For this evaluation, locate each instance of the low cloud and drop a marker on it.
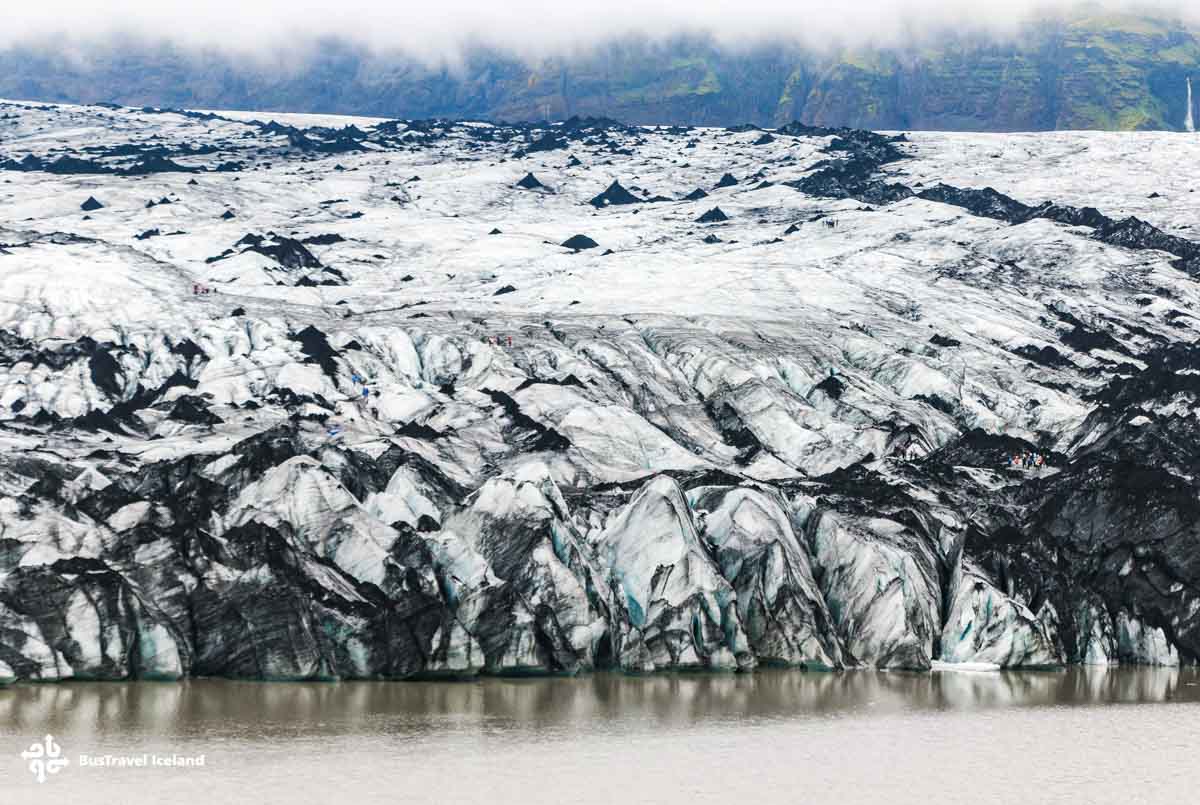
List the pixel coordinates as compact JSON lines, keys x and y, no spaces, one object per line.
{"x":440,"y":29}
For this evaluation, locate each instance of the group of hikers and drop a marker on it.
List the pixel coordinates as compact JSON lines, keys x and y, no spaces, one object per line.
{"x":1027,"y":460}
{"x":359,"y":380}
{"x":201,"y":290}
{"x":498,"y":340}
{"x":334,"y":430}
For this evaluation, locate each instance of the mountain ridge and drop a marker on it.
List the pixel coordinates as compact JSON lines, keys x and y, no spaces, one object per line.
{"x":1085,"y":70}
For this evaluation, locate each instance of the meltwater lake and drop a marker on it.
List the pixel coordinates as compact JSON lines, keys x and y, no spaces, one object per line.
{"x":1122,"y":735}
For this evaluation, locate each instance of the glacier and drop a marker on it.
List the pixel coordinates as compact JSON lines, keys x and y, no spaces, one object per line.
{"x":318,"y":397}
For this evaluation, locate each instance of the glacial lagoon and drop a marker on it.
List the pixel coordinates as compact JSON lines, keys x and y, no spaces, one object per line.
{"x":1127,"y":734}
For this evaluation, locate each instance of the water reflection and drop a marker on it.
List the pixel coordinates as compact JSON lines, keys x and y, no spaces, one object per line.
{"x":208,"y":709}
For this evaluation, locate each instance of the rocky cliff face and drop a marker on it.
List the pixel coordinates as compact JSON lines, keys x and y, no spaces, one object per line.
{"x":1082,"y":69}
{"x":295,"y":401}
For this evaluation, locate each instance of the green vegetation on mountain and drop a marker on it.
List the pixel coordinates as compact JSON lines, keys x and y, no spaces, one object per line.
{"x":1087,"y":70}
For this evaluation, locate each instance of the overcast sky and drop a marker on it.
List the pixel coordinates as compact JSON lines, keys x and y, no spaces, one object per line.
{"x":436,"y":28}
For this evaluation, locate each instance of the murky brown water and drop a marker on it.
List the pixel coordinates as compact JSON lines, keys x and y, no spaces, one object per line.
{"x":1094,"y":736}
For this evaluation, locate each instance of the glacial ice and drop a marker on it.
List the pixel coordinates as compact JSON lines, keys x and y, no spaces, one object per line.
{"x":791,"y":446}
{"x":778,"y":603}
{"x":686,"y":610}
{"x":985,"y":626}
{"x":881,"y":586}
{"x":1141,"y":644}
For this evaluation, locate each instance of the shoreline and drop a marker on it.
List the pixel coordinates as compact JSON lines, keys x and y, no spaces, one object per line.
{"x":939,"y":668}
